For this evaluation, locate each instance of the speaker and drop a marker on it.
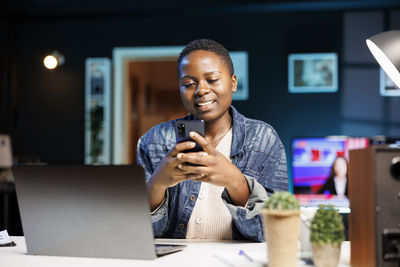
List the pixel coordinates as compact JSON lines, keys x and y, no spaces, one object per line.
{"x":374,"y":193}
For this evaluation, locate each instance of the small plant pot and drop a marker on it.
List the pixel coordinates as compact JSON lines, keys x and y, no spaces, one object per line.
{"x":326,"y":255}
{"x":281,"y":232}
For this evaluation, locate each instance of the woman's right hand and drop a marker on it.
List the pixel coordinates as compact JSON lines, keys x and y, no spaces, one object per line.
{"x":169,"y":174}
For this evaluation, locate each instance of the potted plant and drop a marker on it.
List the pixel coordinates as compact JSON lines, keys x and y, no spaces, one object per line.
{"x":281,"y":216}
{"x":96,"y":128}
{"x":327,"y":234}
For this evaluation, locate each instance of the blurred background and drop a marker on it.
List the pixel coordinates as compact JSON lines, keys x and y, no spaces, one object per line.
{"x":43,"y":111}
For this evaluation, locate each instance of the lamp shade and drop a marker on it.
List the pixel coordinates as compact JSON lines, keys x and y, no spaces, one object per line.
{"x":385,"y":47}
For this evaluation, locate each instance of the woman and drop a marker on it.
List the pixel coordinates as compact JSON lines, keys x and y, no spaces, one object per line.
{"x":216,"y":193}
{"x":336,"y":184}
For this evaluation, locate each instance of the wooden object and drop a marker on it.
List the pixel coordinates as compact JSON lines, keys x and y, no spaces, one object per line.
{"x":374,"y":202}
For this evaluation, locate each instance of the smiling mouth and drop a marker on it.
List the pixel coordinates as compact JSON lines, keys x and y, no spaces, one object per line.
{"x":202,"y":104}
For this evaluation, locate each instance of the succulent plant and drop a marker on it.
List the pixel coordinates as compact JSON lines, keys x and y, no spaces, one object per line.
{"x":96,"y":126}
{"x":327,"y":226}
{"x":282,"y":201}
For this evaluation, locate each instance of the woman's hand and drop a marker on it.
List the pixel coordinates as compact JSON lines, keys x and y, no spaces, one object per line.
{"x":168,"y":174}
{"x":213,"y":167}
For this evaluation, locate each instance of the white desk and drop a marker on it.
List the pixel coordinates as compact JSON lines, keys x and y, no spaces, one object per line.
{"x":197,"y":253}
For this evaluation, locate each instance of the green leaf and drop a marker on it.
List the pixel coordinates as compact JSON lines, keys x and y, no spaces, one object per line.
{"x":327,"y":226}
{"x":282,"y":201}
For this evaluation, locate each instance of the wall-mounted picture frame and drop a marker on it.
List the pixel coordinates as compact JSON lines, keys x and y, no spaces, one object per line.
{"x":386,"y":86}
{"x":240,"y":65}
{"x":313,"y":73}
{"x":97,"y":111}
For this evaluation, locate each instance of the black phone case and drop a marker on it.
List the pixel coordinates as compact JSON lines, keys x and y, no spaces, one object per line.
{"x":184,"y":127}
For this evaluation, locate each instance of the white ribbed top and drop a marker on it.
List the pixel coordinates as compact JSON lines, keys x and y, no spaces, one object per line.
{"x":340,"y":185}
{"x":210,"y":218}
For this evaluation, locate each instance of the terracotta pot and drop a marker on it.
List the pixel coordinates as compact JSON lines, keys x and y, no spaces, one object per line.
{"x":326,"y":255}
{"x":281,"y":232}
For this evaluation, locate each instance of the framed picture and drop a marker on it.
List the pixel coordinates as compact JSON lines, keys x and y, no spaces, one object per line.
{"x":240,"y":64}
{"x":97,"y":111}
{"x":386,"y":86}
{"x":313,"y":73}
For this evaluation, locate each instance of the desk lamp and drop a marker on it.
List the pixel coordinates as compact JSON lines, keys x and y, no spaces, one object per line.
{"x":385,"y":47}
{"x":374,"y":181}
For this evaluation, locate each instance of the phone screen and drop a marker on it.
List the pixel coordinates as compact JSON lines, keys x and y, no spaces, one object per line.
{"x":184,"y":127}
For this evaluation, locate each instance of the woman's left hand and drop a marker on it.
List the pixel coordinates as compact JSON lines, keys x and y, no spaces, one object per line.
{"x":215,"y":169}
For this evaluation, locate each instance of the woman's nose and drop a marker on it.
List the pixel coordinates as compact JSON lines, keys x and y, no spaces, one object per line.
{"x":202,"y":89}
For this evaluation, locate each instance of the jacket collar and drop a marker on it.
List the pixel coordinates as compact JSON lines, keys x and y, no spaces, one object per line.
{"x":238,"y":131}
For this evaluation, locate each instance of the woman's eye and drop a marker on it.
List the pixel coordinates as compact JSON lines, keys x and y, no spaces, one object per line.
{"x":188,"y":85}
{"x":213,"y":80}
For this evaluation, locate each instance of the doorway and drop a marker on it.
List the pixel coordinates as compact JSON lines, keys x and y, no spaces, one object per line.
{"x":145,"y":93}
{"x":154,"y":94}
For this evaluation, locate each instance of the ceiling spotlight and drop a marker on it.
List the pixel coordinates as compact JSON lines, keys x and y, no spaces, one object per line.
{"x":53,"y":60}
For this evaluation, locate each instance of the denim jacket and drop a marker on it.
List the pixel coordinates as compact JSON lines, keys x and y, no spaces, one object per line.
{"x":256,"y":151}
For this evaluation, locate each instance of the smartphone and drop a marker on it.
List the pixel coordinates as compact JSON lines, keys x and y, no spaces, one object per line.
{"x":184,"y":127}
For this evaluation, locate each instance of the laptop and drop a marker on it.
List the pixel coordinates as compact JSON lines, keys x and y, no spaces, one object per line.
{"x":87,"y":211}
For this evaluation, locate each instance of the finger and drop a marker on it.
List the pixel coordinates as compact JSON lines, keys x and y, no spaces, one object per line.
{"x":202,"y":141}
{"x":204,"y":178}
{"x":185,"y":168}
{"x":181,"y":147}
{"x":194,"y":176}
{"x":180,"y":167}
{"x":197,"y":158}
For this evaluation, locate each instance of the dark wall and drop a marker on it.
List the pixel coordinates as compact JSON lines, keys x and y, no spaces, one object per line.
{"x":292,"y":114}
{"x":49,"y":120}
{"x":2,"y":69}
{"x":51,"y":103}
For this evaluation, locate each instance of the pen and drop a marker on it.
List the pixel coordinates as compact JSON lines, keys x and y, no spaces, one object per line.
{"x":242,"y":253}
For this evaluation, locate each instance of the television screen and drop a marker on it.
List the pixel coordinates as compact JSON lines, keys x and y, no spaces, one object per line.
{"x":312,"y":158}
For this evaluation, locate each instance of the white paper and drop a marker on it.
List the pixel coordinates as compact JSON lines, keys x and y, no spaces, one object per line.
{"x":235,"y":259}
{"x":4,"y":238}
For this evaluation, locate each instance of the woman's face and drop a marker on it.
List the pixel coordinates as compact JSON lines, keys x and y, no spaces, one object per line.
{"x":340,"y":167}
{"x":205,"y":85}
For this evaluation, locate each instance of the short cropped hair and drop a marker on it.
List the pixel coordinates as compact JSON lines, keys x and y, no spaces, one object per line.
{"x":207,"y":45}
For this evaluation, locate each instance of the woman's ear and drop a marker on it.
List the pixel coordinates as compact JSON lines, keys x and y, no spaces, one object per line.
{"x":234,"y":83}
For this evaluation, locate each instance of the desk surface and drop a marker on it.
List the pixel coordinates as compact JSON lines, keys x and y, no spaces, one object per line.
{"x":197,"y":253}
